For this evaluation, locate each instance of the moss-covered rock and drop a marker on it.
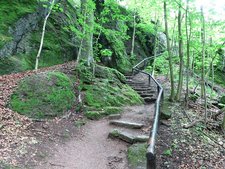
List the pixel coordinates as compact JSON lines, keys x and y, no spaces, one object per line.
{"x":107,"y":88}
{"x":103,"y":93}
{"x":137,"y":156}
{"x":43,"y":95}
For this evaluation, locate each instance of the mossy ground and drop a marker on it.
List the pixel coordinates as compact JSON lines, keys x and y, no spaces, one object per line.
{"x":137,"y":155}
{"x":43,"y":95}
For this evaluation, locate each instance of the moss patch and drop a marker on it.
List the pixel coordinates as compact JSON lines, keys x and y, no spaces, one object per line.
{"x":137,"y":155}
{"x":43,"y":95}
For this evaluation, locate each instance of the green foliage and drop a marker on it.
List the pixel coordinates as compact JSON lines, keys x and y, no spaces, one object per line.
{"x":106,"y":52}
{"x":137,"y":155}
{"x":43,"y":95}
{"x":11,"y":13}
{"x":167,"y":152}
{"x":160,"y":64}
{"x":112,"y":26}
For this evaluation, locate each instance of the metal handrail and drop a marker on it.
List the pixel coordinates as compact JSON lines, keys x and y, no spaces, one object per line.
{"x":151,"y":155}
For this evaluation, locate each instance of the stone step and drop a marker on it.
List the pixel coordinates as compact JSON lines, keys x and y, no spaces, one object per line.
{"x":146,"y":94}
{"x":149,"y":99}
{"x":128,"y":137}
{"x":114,"y":116}
{"x":142,"y":88}
{"x":135,"y":83}
{"x":139,"y":86}
{"x":129,"y":76}
{"x":126,"y":124}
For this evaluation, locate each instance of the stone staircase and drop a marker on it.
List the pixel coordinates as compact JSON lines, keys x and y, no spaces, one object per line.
{"x":133,"y":126}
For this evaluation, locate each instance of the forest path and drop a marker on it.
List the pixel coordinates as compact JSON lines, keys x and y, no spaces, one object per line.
{"x":92,"y":148}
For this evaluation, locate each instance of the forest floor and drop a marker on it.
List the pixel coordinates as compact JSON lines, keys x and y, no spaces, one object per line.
{"x":56,"y":143}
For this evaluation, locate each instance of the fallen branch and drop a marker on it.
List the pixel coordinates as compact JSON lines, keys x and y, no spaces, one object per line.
{"x":192,"y":124}
{"x":59,"y":165}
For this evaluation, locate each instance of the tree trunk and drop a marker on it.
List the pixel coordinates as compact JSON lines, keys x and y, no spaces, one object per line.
{"x":156,"y":43}
{"x":134,"y":32}
{"x":180,"y":83}
{"x":203,"y":54}
{"x":43,"y":34}
{"x":203,"y":87}
{"x":86,"y":44}
{"x":188,"y":36}
{"x":169,"y":53}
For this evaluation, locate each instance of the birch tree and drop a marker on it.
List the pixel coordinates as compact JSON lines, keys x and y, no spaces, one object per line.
{"x":43,"y":33}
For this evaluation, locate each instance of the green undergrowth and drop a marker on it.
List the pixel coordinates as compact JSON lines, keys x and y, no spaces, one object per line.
{"x":219,"y":78}
{"x":105,"y":91}
{"x":43,"y":95}
{"x":11,"y":11}
{"x":137,"y":155}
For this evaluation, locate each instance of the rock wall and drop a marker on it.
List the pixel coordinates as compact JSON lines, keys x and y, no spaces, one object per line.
{"x":21,"y":33}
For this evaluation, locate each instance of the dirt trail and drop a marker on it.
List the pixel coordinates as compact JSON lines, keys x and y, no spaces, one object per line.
{"x":90,"y":149}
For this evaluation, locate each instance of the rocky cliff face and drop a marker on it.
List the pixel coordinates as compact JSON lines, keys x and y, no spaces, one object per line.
{"x":21,"y":34}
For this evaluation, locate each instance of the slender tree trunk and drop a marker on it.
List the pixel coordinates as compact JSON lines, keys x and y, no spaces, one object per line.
{"x":43,"y":34}
{"x":181,"y":55}
{"x":188,"y":36}
{"x":169,"y":53}
{"x":203,"y":86}
{"x":155,"y":48}
{"x":134,"y":32}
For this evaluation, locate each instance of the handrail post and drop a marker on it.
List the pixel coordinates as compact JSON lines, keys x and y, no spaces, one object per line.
{"x":151,"y":161}
{"x":149,"y":81}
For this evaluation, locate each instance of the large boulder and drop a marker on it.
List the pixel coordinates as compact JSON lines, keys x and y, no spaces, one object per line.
{"x":43,"y":95}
